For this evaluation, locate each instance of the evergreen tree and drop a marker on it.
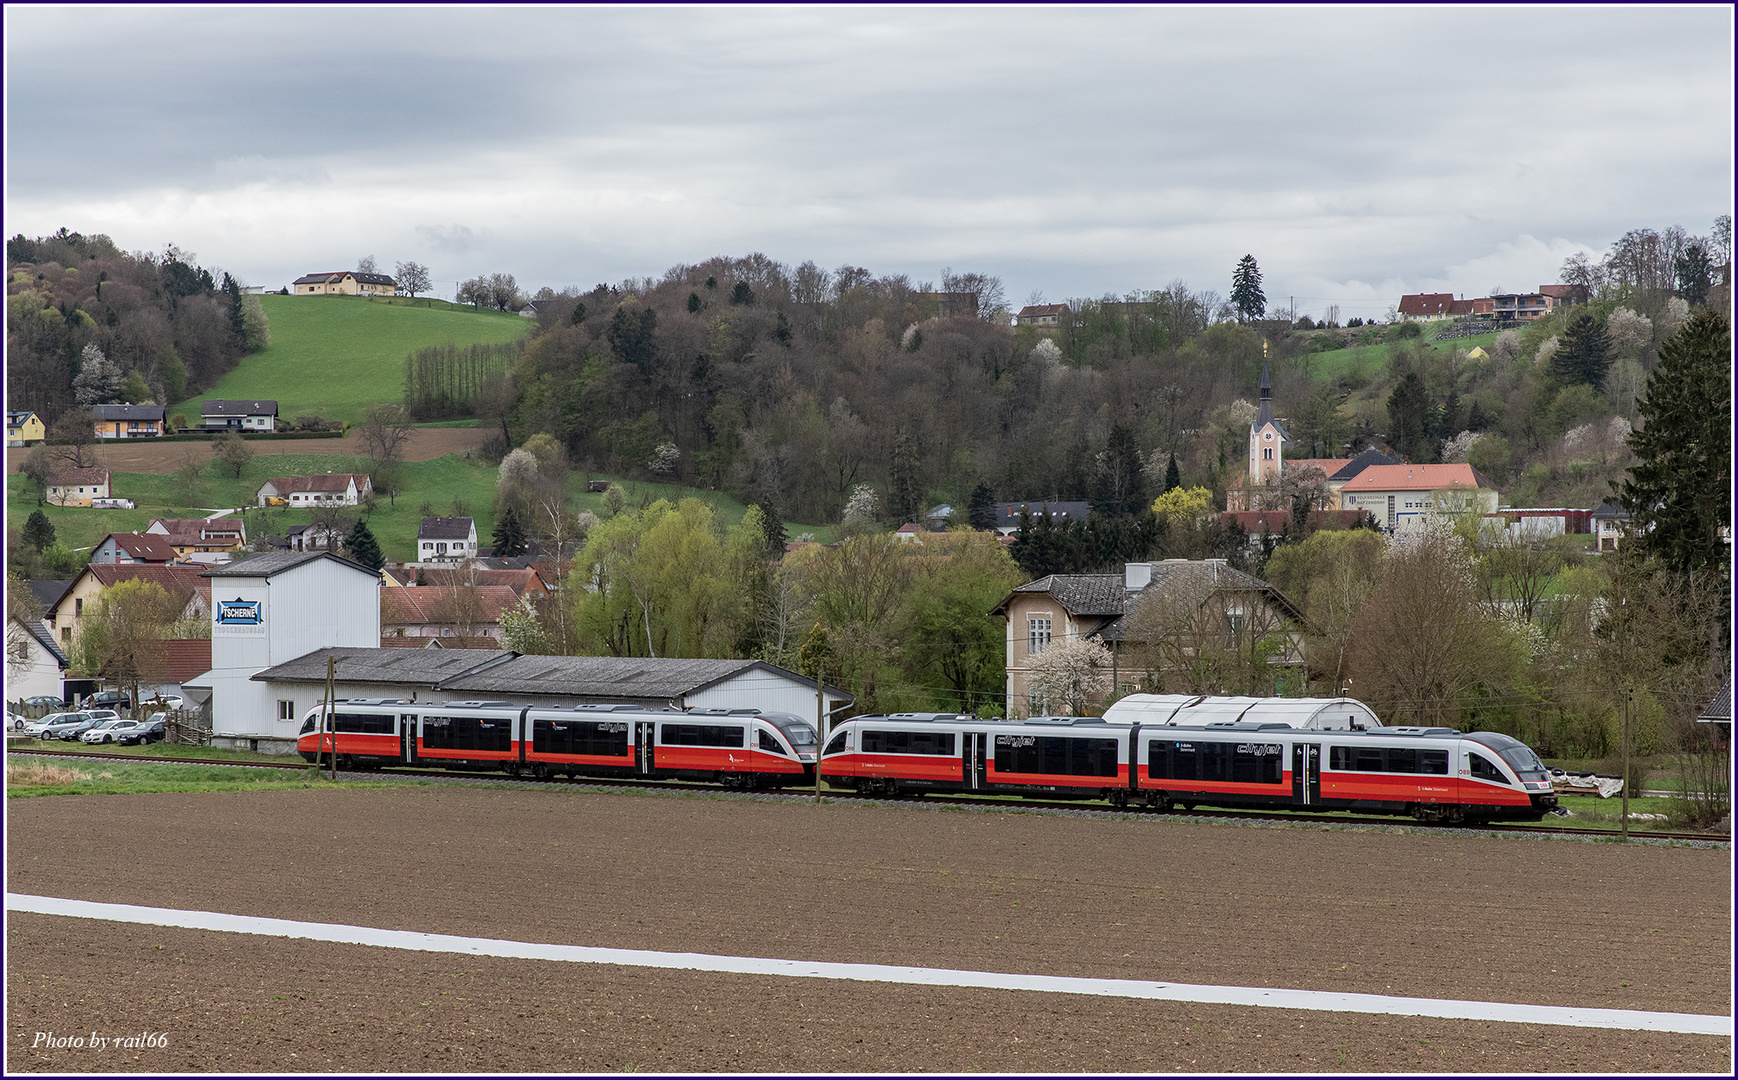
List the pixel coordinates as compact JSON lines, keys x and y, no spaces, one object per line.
{"x":1476,"y":419}
{"x":38,"y":530}
{"x":1584,"y":354}
{"x":232,"y":290}
{"x":1450,"y":425}
{"x":1173,"y":477}
{"x":1246,"y":294}
{"x":1122,"y":489}
{"x":1695,"y":273}
{"x":776,"y":534}
{"x":1408,"y":409}
{"x":1679,"y":494}
{"x":509,"y":535}
{"x":981,"y":514}
{"x":906,"y":494}
{"x":363,"y":548}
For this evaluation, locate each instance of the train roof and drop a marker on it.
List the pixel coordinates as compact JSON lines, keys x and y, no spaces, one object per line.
{"x":1180,"y":709}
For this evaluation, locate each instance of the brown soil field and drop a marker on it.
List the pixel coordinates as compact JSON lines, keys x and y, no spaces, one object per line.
{"x":141,"y":455}
{"x":1426,"y":915}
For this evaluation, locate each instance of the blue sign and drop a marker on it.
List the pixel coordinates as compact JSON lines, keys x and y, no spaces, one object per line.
{"x":239,"y":612}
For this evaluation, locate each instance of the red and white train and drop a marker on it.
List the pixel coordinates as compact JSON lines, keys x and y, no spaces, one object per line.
{"x":1434,"y":774}
{"x":735,"y":747}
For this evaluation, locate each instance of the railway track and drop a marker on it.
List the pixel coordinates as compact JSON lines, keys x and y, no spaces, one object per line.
{"x":1082,"y":806}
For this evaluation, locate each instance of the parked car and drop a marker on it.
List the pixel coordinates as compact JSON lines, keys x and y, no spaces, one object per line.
{"x":108,"y":731}
{"x":70,"y":726}
{"x":148,"y":732}
{"x":103,"y":714}
{"x":109,"y":699}
{"x":42,"y":705}
{"x":37,"y":727}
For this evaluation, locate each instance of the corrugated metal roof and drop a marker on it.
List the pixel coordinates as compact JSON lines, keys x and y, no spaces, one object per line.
{"x":265,"y":564}
{"x":414,"y":666}
{"x":1721,"y":707}
{"x":597,"y":676}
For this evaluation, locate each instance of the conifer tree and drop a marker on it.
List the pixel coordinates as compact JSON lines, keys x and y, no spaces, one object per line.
{"x":509,"y":535}
{"x":1173,"y":477}
{"x":981,"y":513}
{"x":774,"y":528}
{"x":1584,"y":354}
{"x":38,"y":530}
{"x":363,"y":548}
{"x":1679,"y":494}
{"x":1246,"y":294}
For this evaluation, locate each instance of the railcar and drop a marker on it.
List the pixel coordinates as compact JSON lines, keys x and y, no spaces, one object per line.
{"x":1434,"y":774}
{"x":738,"y":747}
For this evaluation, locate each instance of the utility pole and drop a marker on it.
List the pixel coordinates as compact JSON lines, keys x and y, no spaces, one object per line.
{"x":1628,"y":695}
{"x":820,"y":728}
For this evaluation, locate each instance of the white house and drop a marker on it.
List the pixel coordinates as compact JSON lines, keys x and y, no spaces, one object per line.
{"x":446,"y":540}
{"x":35,"y":664}
{"x":327,"y":489}
{"x":70,"y":486}
{"x":1400,"y":496}
{"x":269,"y":608}
{"x":239,"y":415}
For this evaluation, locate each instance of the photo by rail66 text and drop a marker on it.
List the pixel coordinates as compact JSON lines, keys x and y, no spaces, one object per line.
{"x":96,"y":1040}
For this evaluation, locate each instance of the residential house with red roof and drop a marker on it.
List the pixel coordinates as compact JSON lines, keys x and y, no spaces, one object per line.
{"x":132,"y":548}
{"x":181,"y":581}
{"x":455,"y":610}
{"x":204,"y":540}
{"x":1400,"y":496}
{"x":69,"y":486}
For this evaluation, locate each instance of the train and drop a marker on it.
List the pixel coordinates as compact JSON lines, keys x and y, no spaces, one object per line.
{"x":741,"y":748}
{"x":1434,"y":774}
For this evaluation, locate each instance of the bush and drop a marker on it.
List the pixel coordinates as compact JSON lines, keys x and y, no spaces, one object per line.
{"x":495,"y":448}
{"x":1408,"y":330}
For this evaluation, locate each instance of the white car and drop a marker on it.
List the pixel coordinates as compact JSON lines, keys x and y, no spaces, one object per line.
{"x":108,"y":731}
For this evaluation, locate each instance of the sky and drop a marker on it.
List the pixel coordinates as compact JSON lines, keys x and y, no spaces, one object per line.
{"x":1358,"y":153}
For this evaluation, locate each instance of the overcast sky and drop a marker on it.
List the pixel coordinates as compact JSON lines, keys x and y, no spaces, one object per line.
{"x":1357,"y":153}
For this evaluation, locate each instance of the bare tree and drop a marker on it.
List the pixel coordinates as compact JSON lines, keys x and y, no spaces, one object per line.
{"x":385,"y":431}
{"x":189,"y":476}
{"x":412,"y":278}
{"x":366,"y":265}
{"x":39,"y":466}
{"x":75,"y":438}
{"x":231,"y":449}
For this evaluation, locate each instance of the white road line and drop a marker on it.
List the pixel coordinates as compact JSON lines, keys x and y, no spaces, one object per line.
{"x":1318,"y":1000}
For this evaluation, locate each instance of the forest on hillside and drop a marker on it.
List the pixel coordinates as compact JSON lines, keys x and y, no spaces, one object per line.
{"x":797,"y":385}
{"x":140,"y":327}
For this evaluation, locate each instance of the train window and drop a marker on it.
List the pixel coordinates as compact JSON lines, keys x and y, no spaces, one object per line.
{"x":362,"y":723}
{"x":1402,"y":759}
{"x":907,"y":742}
{"x":703,"y":735}
{"x":1367,"y":759}
{"x":1340,"y":758}
{"x":1056,"y":755}
{"x":467,"y":733}
{"x":1256,"y":763}
{"x":767,"y":742}
{"x":307,"y":725}
{"x":1211,"y":761}
{"x":1525,"y":763}
{"x":837,"y":744}
{"x":1433,"y":762}
{"x":1171,"y":760}
{"x":1484,"y":768}
{"x":597,"y":738}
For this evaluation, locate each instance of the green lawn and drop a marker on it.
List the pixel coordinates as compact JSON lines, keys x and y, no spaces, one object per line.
{"x":333,"y":356}
{"x":438,"y":482}
{"x":30,"y":778}
{"x":1364,"y":361}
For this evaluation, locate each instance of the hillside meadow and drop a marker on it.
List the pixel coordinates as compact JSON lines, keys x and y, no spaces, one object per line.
{"x":333,"y":356}
{"x":439,"y":482}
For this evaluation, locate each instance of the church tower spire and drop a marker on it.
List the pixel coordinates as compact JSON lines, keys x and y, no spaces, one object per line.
{"x":1266,"y":440}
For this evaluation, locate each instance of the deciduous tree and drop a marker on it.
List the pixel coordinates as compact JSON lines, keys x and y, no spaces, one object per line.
{"x":233,"y":451}
{"x":412,"y":278}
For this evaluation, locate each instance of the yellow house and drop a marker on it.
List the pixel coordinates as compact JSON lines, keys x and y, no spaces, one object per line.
{"x":343,"y":283}
{"x":24,"y":428}
{"x":78,"y":487}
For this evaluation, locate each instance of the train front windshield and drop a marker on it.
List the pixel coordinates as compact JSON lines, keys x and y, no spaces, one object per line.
{"x":1525,"y":763}
{"x":802,"y":736}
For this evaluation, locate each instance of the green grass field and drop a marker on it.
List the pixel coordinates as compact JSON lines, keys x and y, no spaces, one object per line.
{"x":333,"y":356}
{"x":438,"y":482}
{"x":34,"y":777}
{"x":1364,"y":361}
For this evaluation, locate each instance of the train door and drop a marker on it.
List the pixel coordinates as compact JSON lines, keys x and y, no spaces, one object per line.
{"x":972,"y":753}
{"x":1306,"y":775}
{"x":645,"y":733}
{"x":407,"y":737}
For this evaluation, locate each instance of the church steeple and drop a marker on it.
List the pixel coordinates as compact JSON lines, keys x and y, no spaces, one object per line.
{"x":1265,"y":415}
{"x":1267,"y":439}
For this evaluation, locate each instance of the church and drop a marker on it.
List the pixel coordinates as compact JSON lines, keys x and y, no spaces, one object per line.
{"x":1272,"y":480}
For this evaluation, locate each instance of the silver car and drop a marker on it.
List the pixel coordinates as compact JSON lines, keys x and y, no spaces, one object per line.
{"x":68,"y":726}
{"x":108,"y":731}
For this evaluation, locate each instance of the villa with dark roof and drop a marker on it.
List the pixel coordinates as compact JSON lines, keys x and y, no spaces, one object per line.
{"x":343,"y":283}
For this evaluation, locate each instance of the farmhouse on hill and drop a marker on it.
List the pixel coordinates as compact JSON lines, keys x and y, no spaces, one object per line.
{"x":446,"y":540}
{"x":129,"y":421}
{"x":327,"y":489}
{"x":343,"y":283}
{"x":238,"y":415}
{"x":70,"y":486}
